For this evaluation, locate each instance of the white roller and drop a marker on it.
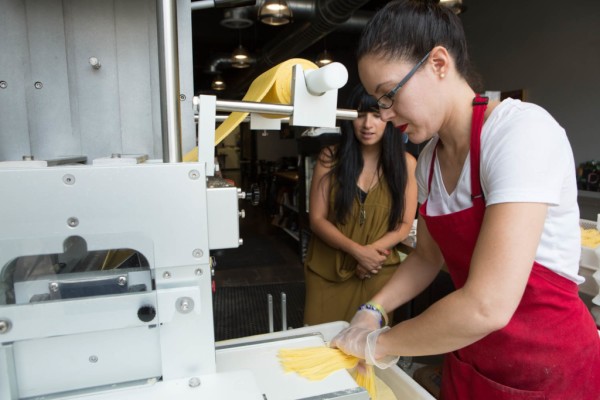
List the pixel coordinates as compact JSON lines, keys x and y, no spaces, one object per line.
{"x":330,"y":77}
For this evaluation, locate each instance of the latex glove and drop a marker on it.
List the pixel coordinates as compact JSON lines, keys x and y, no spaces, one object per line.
{"x":361,"y":343}
{"x":352,"y":341}
{"x":371,"y":354}
{"x":367,"y":319}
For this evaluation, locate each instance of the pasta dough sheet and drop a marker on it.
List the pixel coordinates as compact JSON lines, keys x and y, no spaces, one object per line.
{"x":590,"y":238}
{"x":316,"y":363}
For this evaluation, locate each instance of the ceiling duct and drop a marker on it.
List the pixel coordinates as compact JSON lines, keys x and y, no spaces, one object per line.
{"x":327,"y":16}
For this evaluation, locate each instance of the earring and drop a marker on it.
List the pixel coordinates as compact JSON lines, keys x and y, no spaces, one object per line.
{"x":442,"y":75}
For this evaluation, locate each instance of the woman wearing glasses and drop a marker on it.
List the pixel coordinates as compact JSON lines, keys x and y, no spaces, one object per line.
{"x":363,"y":201}
{"x":498,"y":206}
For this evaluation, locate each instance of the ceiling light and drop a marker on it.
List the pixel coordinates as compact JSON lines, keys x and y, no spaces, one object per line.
{"x":218,"y":83}
{"x":275,"y":12}
{"x":455,"y":5}
{"x":240,"y":54}
{"x":324,"y":58}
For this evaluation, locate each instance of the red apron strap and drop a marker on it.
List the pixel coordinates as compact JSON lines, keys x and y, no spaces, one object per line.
{"x":479,"y":107}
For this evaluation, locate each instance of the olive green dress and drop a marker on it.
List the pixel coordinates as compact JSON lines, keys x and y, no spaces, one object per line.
{"x":333,"y":291}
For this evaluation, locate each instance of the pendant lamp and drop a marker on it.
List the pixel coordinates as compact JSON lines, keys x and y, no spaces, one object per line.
{"x":275,"y":12}
{"x":218,"y":83}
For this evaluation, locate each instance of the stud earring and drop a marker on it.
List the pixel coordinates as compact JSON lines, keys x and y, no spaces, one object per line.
{"x":442,"y":75}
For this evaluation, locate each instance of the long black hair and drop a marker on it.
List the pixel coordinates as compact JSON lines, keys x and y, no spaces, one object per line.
{"x":408,"y":29}
{"x":347,"y":163}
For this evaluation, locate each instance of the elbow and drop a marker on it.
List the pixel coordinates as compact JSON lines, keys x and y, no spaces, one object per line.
{"x":492,"y":315}
{"x":493,"y":318}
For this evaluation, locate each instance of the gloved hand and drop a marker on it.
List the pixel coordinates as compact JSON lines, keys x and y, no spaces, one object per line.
{"x":368,"y":319}
{"x":361,"y":343}
{"x":370,"y":353}
{"x":352,"y":340}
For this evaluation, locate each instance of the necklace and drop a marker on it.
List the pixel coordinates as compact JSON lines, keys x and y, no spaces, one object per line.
{"x":362,"y":215}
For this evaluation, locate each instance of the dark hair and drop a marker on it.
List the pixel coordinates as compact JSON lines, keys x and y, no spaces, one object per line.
{"x":408,"y":29}
{"x":347,"y":163}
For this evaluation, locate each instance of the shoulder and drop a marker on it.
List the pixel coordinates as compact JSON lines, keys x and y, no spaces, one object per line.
{"x":519,"y":121}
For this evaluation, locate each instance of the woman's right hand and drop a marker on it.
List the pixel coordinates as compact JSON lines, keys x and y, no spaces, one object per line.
{"x":369,"y":260}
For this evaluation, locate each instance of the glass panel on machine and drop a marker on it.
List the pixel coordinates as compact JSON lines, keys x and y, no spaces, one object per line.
{"x":75,"y":273}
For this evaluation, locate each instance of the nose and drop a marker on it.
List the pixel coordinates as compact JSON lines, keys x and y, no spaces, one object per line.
{"x":368,"y":119}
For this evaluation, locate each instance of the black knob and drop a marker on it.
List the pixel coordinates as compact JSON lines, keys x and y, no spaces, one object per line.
{"x":146,"y":313}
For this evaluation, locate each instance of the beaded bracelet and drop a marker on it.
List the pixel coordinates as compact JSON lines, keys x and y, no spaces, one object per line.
{"x":378,"y":308}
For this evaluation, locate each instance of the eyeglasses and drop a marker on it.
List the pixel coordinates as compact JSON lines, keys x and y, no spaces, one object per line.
{"x":387,"y":100}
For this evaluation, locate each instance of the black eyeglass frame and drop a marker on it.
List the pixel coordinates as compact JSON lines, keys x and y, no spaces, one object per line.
{"x":392,"y":93}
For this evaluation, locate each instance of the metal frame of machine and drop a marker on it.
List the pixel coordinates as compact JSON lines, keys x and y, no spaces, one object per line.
{"x":143,"y":331}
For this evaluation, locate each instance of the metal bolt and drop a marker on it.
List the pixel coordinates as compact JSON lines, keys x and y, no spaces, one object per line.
{"x":182,"y":97}
{"x":4,"y":326}
{"x":198,"y":272}
{"x":242,"y":213}
{"x":166,"y":275}
{"x":185,"y":305}
{"x":3,"y":85}
{"x":38,"y":85}
{"x":93,"y":359}
{"x":95,"y":63}
{"x":197,"y":253}
{"x":69,"y":179}
{"x":53,"y":287}
{"x":73,"y":222}
{"x":194,"y":174}
{"x":122,"y":280}
{"x":194,"y":382}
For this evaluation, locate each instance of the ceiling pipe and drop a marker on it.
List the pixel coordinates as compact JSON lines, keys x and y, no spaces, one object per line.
{"x":328,"y":16}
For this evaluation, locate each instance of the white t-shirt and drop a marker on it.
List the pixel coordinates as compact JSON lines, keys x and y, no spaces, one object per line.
{"x":525,"y":157}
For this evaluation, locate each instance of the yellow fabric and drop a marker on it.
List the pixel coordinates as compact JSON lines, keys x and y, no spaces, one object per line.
{"x":316,"y":363}
{"x":333,"y":291}
{"x":273,"y":86}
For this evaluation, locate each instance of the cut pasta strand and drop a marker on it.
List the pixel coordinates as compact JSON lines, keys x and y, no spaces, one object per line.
{"x":316,"y":363}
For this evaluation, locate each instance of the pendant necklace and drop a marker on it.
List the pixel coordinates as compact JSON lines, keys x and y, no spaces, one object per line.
{"x":362,"y":215}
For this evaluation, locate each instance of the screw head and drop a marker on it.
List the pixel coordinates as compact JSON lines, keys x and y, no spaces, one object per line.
{"x":73,"y":222}
{"x":4,"y":326}
{"x":197,"y":253}
{"x":93,"y":359}
{"x":166,"y":275}
{"x":3,"y":84}
{"x":122,"y":280}
{"x":53,"y":287}
{"x":38,"y":85}
{"x":185,"y":305}
{"x":194,"y":174}
{"x":69,"y":179}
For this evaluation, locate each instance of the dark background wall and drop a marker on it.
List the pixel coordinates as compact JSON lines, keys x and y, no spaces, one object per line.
{"x":551,"y":50}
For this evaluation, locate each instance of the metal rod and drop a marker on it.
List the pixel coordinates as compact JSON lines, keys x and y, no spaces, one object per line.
{"x":268,"y":108}
{"x":201,"y":5}
{"x":283,"y":312}
{"x":270,"y":310}
{"x":168,"y":53}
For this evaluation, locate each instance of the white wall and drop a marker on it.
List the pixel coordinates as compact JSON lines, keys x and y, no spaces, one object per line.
{"x":549,"y":48}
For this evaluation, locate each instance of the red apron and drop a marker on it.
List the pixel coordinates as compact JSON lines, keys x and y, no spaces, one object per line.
{"x":550,"y":349}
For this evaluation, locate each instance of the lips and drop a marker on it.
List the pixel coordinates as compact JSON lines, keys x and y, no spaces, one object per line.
{"x":402,"y":128}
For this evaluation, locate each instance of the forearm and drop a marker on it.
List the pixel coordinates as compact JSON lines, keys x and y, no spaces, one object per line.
{"x":439,"y":329}
{"x":410,"y":279}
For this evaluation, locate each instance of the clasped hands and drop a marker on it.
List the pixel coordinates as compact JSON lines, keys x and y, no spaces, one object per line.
{"x":360,"y":339}
{"x":369,"y":260}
